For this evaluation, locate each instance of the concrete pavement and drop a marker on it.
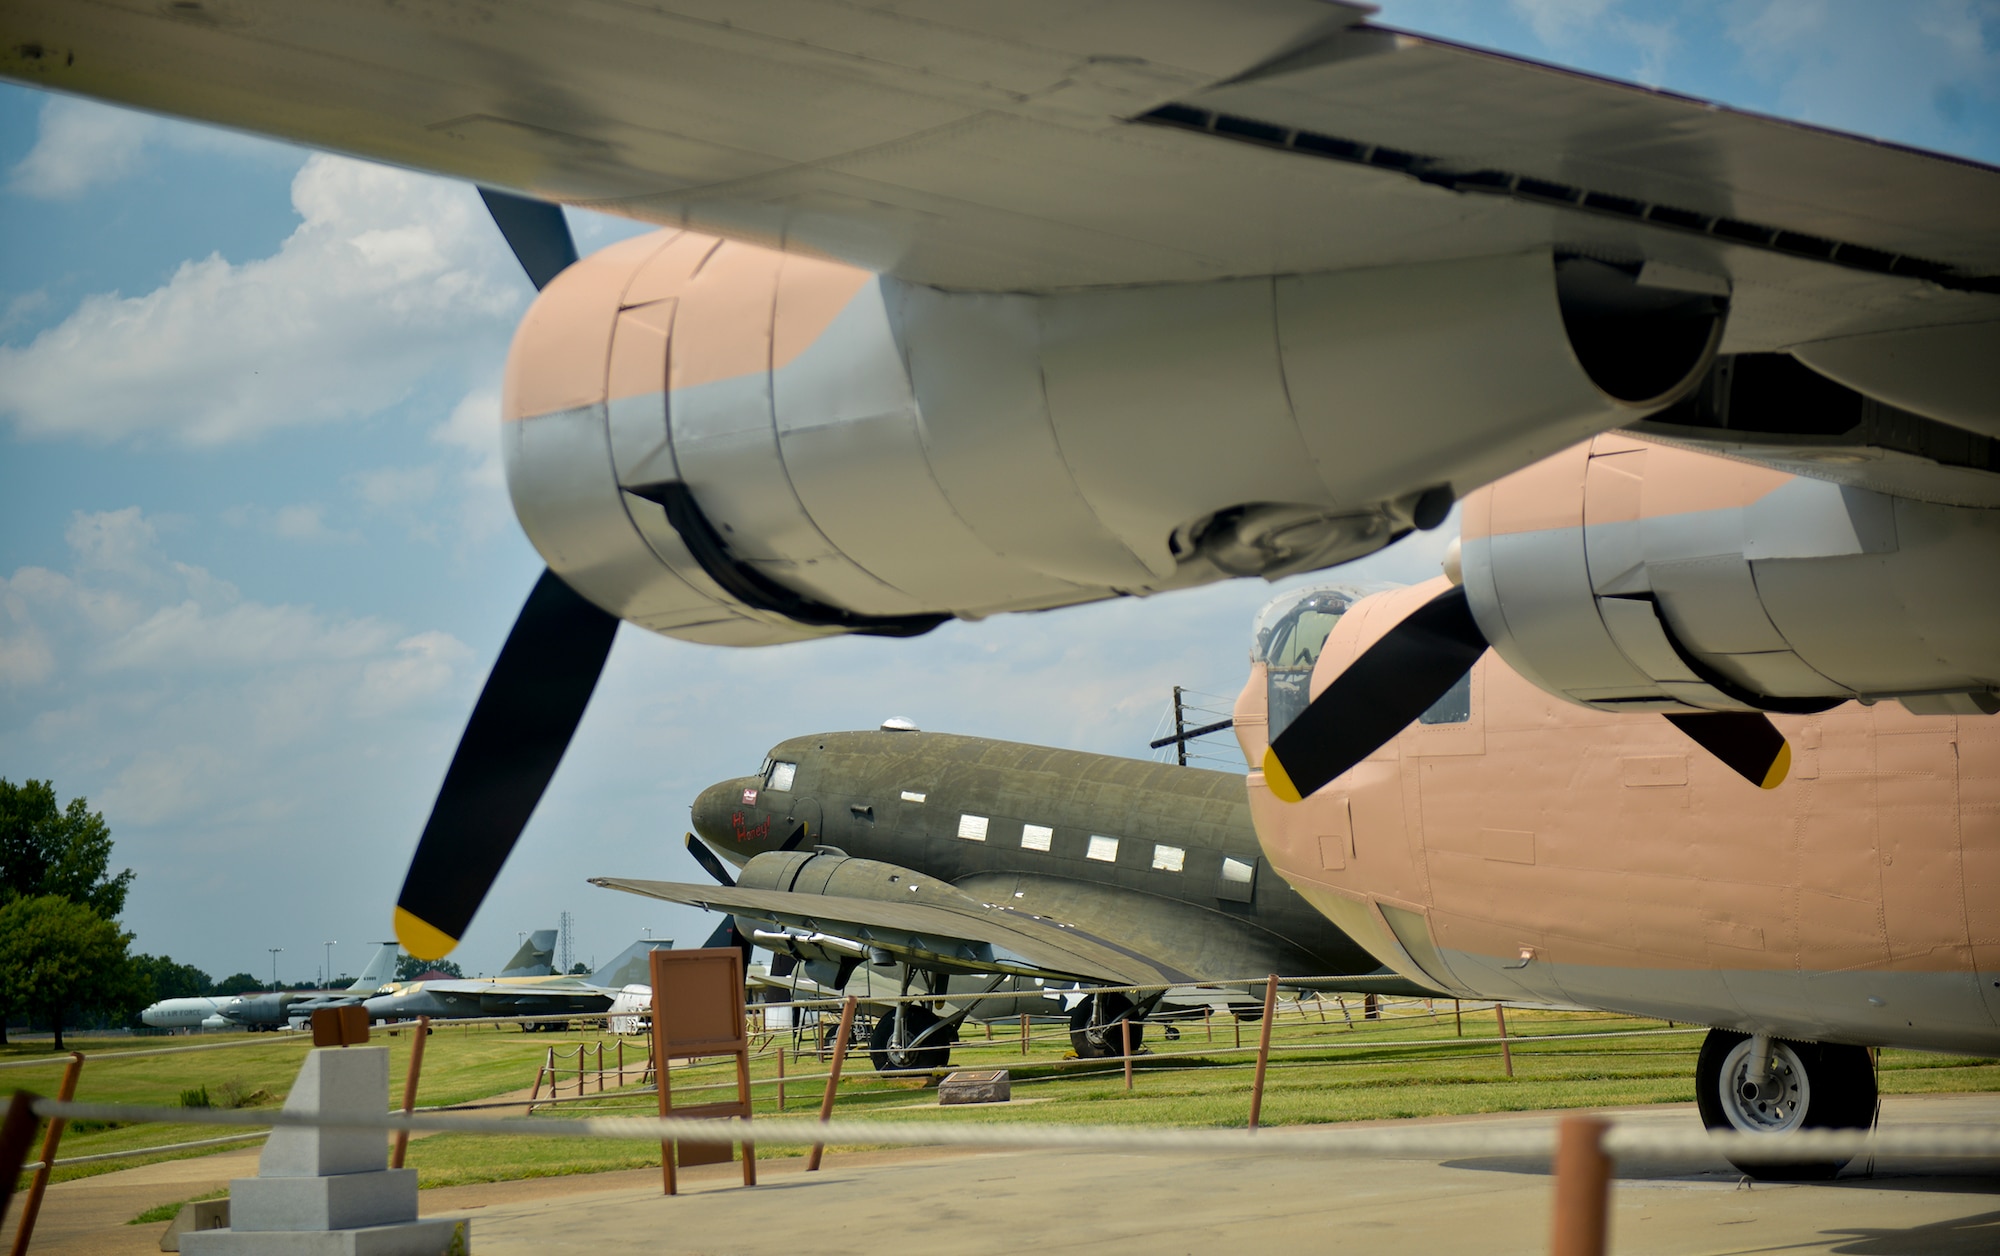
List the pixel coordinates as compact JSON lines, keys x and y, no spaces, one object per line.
{"x":957,"y":1203}
{"x":1007,"y":1203}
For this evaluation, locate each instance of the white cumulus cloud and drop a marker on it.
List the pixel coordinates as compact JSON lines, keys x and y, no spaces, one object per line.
{"x":176,"y":692}
{"x":81,"y":145}
{"x":388,"y":275}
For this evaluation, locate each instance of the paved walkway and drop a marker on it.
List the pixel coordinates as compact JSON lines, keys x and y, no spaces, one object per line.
{"x":942,"y":1203}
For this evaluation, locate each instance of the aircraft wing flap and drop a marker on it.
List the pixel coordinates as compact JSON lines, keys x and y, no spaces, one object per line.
{"x":993,"y":940}
{"x":1470,"y":110}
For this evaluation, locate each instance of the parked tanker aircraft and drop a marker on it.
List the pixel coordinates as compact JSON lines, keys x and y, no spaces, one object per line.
{"x":971,"y":308}
{"x":1537,"y":834}
{"x":929,"y":857}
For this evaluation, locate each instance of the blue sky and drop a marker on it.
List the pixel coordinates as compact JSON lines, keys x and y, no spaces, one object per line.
{"x":256,"y":557}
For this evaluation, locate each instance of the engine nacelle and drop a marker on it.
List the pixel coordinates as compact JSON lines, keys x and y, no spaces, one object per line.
{"x":730,"y":444}
{"x":826,"y":871}
{"x":1628,"y":575}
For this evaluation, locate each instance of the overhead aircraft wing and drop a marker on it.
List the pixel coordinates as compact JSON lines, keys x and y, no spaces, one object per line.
{"x":990,"y":939}
{"x":1046,"y":144}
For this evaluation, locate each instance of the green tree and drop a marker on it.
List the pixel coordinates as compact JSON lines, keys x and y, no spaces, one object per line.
{"x":46,"y":849}
{"x":238,"y":983}
{"x":408,"y":967}
{"x":164,"y":979}
{"x":60,"y":958}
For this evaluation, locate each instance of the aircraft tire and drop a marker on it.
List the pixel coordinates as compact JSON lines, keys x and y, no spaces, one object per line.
{"x":890,"y":1059}
{"x":1824,"y":1086}
{"x":1102,"y":1041}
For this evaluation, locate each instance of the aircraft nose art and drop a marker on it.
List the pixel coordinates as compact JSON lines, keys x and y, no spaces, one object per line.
{"x":715,"y":814}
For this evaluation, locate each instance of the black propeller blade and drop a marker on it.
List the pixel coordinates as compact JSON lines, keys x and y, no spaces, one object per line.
{"x":1413,"y":664}
{"x":795,"y":837}
{"x":517,"y":734}
{"x":536,"y":231}
{"x":1747,"y":741}
{"x":709,"y":861}
{"x":1391,"y":683}
{"x":726,"y":933}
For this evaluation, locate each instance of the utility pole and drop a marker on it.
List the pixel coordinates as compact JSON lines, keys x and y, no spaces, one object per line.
{"x":1183,"y":734}
{"x":275,"y":952}
{"x":327,"y":980}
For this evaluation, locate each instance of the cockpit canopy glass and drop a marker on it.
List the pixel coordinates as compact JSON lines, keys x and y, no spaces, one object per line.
{"x":1291,"y":631}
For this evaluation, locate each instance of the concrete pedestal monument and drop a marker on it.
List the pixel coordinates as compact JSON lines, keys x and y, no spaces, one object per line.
{"x":331,"y":1192}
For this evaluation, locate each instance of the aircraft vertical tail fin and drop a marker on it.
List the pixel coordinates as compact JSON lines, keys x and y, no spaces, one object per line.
{"x":380,"y":971}
{"x":631,"y":966}
{"x":536,"y":958}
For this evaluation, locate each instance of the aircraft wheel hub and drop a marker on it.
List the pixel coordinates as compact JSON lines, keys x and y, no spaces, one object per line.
{"x":1772,"y":1104}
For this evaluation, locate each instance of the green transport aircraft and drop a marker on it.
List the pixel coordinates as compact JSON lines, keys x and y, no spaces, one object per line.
{"x":1008,"y":867}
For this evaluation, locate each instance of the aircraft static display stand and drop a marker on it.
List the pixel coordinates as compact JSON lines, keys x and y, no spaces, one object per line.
{"x":331,"y":1192}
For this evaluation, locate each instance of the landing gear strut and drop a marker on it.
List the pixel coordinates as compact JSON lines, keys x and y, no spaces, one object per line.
{"x":1762,"y":1085}
{"x":1093,"y":1026}
{"x":910,"y":1037}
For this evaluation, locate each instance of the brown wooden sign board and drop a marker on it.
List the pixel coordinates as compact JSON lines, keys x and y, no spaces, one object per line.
{"x":340,"y":1026}
{"x":698,"y":1013}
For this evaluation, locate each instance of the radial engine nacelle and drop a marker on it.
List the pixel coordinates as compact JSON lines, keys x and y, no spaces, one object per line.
{"x":729,"y":444}
{"x":1625,"y":574}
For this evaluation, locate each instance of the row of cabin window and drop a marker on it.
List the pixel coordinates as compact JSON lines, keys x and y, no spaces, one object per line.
{"x":1040,"y":837}
{"x":1103,"y":849}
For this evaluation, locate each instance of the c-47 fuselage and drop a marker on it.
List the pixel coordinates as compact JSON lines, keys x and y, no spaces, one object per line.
{"x":1155,"y":857}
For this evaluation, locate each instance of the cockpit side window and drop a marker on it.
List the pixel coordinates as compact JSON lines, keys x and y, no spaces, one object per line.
{"x":1455,"y":707}
{"x":782,"y":775}
{"x":1291,"y":632}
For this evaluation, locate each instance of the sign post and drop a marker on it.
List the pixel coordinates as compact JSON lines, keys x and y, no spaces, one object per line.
{"x":698,"y":1013}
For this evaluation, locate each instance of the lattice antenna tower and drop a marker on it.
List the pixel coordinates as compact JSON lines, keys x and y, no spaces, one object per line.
{"x":563,"y":957}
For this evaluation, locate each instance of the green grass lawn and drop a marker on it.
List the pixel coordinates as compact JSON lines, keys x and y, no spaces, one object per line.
{"x":1411,"y":1063}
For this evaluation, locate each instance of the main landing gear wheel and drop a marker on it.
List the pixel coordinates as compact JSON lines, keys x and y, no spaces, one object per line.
{"x":1093,"y":1027}
{"x":891,"y":1052}
{"x":1811,"y":1085}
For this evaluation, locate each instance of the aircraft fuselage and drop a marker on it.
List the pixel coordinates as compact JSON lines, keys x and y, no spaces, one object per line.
{"x":1538,"y":850}
{"x":1155,"y":857}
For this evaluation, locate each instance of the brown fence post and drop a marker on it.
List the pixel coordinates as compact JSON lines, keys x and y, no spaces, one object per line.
{"x":781,"y":1077}
{"x":1125,"y":1040}
{"x":410,"y":1087}
{"x":1583,"y":1187}
{"x":1024,"y":1033}
{"x":833,"y":1078}
{"x":1506,"y":1051}
{"x":16,"y":1133}
{"x":1263,"y":1050}
{"x":31,"y":1207}
{"x":1208,"y":1020}
{"x":1457,"y":1024}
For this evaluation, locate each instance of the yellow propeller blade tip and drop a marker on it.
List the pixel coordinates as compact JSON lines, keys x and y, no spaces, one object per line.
{"x":1780,"y":766}
{"x":422,"y":939}
{"x":1275,"y":777}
